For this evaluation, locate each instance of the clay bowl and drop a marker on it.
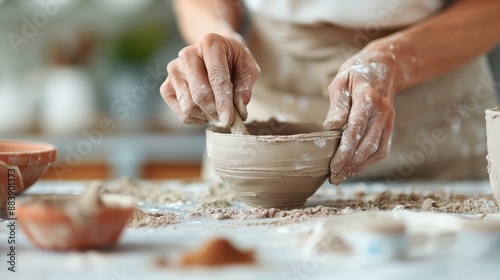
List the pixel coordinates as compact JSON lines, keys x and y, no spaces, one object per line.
{"x":493,"y":141}
{"x":30,"y":159}
{"x":48,"y":225}
{"x":279,"y":165}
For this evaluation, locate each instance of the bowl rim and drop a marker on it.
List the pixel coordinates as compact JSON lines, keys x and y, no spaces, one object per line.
{"x":43,"y":147}
{"x":110,"y":200}
{"x":317,"y":135}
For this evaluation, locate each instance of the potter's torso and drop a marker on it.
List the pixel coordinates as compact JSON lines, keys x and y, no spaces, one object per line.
{"x":300,"y":57}
{"x":349,"y":14}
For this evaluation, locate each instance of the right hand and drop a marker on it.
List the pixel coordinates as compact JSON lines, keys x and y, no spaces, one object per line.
{"x":210,"y":79}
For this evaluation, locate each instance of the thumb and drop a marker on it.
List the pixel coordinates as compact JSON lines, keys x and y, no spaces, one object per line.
{"x":245,"y":75}
{"x":340,"y":106}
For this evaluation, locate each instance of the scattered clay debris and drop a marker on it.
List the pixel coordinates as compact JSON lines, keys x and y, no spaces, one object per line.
{"x":220,"y":204}
{"x":428,"y":204}
{"x":145,"y":192}
{"x":480,"y":216}
{"x":216,"y":202}
{"x":217,"y":252}
{"x":140,"y":219}
{"x":445,"y":203}
{"x":216,"y":192}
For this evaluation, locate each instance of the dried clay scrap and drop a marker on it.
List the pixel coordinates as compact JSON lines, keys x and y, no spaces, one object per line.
{"x":217,"y":202}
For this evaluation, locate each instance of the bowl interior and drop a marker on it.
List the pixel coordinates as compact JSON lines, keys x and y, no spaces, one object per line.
{"x":23,"y":147}
{"x":275,"y":129}
{"x":31,"y":159}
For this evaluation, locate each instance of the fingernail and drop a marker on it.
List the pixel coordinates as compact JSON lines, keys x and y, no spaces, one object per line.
{"x":224,"y":120}
{"x":212,"y":112}
{"x":336,"y":181}
{"x":214,"y":116}
{"x":339,"y":179}
{"x":241,"y":109}
{"x":341,"y":176}
{"x":327,"y":125}
{"x":335,"y":177}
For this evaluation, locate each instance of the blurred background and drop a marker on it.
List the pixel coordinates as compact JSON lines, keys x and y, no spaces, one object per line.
{"x":85,"y":74}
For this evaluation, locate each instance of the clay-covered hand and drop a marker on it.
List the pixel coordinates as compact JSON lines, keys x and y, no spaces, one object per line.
{"x":362,"y":104}
{"x":209,"y":77}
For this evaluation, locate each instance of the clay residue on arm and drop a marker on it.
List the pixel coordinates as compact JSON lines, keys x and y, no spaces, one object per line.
{"x":444,"y":42}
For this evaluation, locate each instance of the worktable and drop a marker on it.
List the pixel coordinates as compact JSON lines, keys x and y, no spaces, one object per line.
{"x":278,"y":253}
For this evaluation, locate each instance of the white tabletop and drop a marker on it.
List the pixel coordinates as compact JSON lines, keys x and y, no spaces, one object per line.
{"x":278,"y":253}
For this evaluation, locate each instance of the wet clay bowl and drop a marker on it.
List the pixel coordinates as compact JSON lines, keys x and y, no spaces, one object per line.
{"x":493,"y":141}
{"x":279,"y":165}
{"x":30,"y":160}
{"x":49,"y":226}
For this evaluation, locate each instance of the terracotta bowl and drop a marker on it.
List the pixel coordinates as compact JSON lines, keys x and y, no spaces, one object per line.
{"x":30,"y":159}
{"x":50,"y":227}
{"x":278,"y":165}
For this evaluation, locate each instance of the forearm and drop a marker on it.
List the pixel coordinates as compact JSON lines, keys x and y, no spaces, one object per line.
{"x":199,"y":17}
{"x":443,"y":43}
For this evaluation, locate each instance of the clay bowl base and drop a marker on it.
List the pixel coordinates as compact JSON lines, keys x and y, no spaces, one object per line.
{"x":279,"y":165}
{"x":49,"y":227}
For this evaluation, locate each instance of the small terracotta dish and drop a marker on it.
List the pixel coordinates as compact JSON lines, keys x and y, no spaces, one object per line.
{"x":30,"y":159}
{"x":278,"y":165}
{"x":49,"y":225}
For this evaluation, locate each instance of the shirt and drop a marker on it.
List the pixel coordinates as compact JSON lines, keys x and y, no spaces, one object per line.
{"x":366,"y":14}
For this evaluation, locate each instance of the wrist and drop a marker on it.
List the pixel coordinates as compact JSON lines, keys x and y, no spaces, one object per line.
{"x":394,"y":53}
{"x":225,"y":30}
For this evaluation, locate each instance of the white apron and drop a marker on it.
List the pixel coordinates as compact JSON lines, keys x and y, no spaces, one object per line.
{"x":439,"y":130}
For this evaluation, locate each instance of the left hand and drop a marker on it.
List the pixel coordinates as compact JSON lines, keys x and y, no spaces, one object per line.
{"x":362,"y":103}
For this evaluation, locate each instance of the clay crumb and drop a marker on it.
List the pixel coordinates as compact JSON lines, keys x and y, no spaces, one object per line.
{"x":141,"y":219}
{"x":435,"y":202}
{"x":217,"y":252}
{"x":428,"y":204}
{"x":215,"y":192}
{"x":144,"y":191}
{"x":159,"y":262}
{"x":221,"y":204}
{"x":480,"y":216}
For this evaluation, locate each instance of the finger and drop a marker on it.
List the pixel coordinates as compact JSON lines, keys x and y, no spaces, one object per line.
{"x":370,"y":141}
{"x":382,"y":152}
{"x":340,"y":104}
{"x":197,"y":80}
{"x":368,"y":146}
{"x":168,"y":93}
{"x":354,"y":132}
{"x":215,"y":54}
{"x":353,"y":168}
{"x":186,"y":103}
{"x":245,"y":75}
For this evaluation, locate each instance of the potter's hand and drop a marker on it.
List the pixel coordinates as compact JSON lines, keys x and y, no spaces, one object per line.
{"x":361,"y":103}
{"x":208,"y":78}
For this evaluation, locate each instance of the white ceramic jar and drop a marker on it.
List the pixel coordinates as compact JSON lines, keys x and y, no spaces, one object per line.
{"x":17,"y":106}
{"x":493,"y":141}
{"x":68,"y":101}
